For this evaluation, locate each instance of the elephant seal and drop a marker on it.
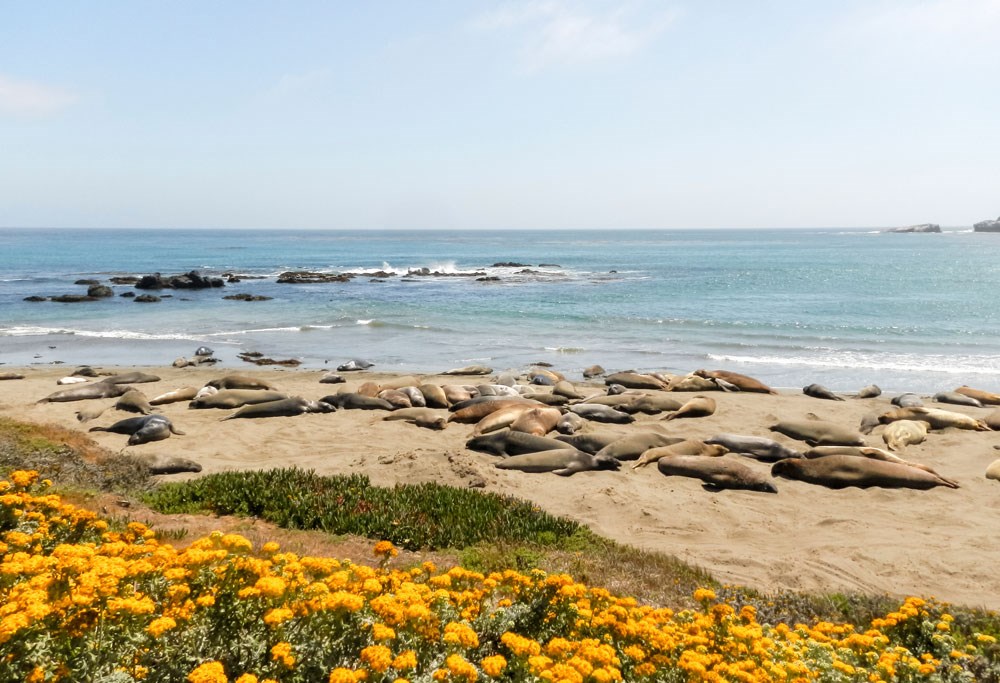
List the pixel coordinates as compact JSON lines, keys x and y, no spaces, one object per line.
{"x":741,"y":382}
{"x":134,"y":401}
{"x":456,"y":394}
{"x":562,"y":461}
{"x":284,"y":407}
{"x":354,"y":365}
{"x":593,"y":371}
{"x":985,"y":397}
{"x":542,"y":381}
{"x":240,"y":382}
{"x":477,"y":411}
{"x":206,"y":391}
{"x":717,"y":473}
{"x":993,"y":420}
{"x":202,"y":351}
{"x":956,"y":398}
{"x":236,"y":398}
{"x":615,"y":389}
{"x":552,"y":376}
{"x":564,"y":388}
{"x":869,"y":422}
{"x":936,"y":418}
{"x":757,"y":447}
{"x":427,"y":418}
{"x":819,"y":391}
{"x":816,"y":432}
{"x":683,"y":447}
{"x":142,"y":429}
{"x":635,"y":380}
{"x":469,"y":370}
{"x":331,"y":378}
{"x":400,"y":382}
{"x":614,"y":400}
{"x":162,"y":464}
{"x":591,"y":442}
{"x":634,"y":445}
{"x":367,"y":389}
{"x":901,"y":433}
{"x":599,"y":413}
{"x":175,"y":396}
{"x":548,"y":399}
{"x":82,"y":392}
{"x":907,"y":400}
{"x":842,"y":471}
{"x":872,"y":453}
{"x":396,"y":397}
{"x":496,"y":390}
{"x":537,"y":421}
{"x":699,"y":406}
{"x":570,"y":423}
{"x":650,"y":404}
{"x":63,"y":381}
{"x":500,"y":419}
{"x":131,"y":378}
{"x":506,"y":442}
{"x":89,"y":413}
{"x":11,"y":375}
{"x":434,"y":396}
{"x":692,"y":382}
{"x":352,"y":401}
{"x":993,"y":471}
{"x":870,"y":391}
{"x":415,"y":395}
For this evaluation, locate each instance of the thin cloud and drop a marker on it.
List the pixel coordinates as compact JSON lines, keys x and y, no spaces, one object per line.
{"x":24,"y":98}
{"x":951,"y":20}
{"x":558,"y":33}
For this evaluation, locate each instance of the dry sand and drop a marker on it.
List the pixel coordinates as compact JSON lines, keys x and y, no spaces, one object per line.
{"x":939,"y":543}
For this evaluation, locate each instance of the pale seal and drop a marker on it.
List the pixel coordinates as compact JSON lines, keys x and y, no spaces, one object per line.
{"x":478,"y":410}
{"x":284,"y":407}
{"x":635,"y":380}
{"x":415,"y":395}
{"x":331,"y":378}
{"x":741,"y":382}
{"x":63,"y":381}
{"x":537,"y":421}
{"x":842,"y":471}
{"x":469,"y":370}
{"x":131,"y":378}
{"x":987,"y":398}
{"x":564,"y":388}
{"x":819,"y":391}
{"x":354,"y":365}
{"x":593,"y":371}
{"x":717,"y":473}
{"x":570,"y":423}
{"x":993,"y":471}
{"x":562,"y":461}
{"x":692,"y":382}
{"x":634,"y":445}
{"x":650,"y":404}
{"x":500,"y":419}
{"x":907,"y":400}
{"x":958,"y":399}
{"x":699,"y":406}
{"x":134,"y":401}
{"x":870,"y":391}
{"x":683,"y":447}
{"x":757,"y":447}
{"x":175,"y":396}
{"x":91,"y":412}
{"x":427,"y":418}
{"x":901,"y":433}
{"x":434,"y":396}
{"x":396,"y":397}
{"x":937,"y":419}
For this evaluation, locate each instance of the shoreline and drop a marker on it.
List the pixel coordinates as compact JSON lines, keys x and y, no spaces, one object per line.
{"x":929,"y":543}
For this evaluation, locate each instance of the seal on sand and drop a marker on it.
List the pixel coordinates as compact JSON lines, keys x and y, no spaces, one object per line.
{"x":352,"y":401}
{"x":819,"y":391}
{"x":842,"y":471}
{"x":937,"y":419}
{"x":634,"y":445}
{"x":869,"y":452}
{"x":907,"y":400}
{"x":142,"y":429}
{"x":11,"y":375}
{"x":354,"y":365}
{"x":870,"y":391}
{"x":427,"y":418}
{"x":506,"y":442}
{"x":590,"y":442}
{"x":131,"y":378}
{"x":699,"y":406}
{"x":716,"y":473}
{"x":284,"y":407}
{"x":175,"y":396}
{"x":537,"y":421}
{"x":993,"y":471}
{"x":240,"y":382}
{"x":757,"y":447}
{"x":635,"y":380}
{"x":434,"y":396}
{"x":570,"y":423}
{"x":599,"y":413}
{"x":901,"y":433}
{"x":985,"y":397}
{"x":83,"y":392}
{"x":134,"y":401}
{"x":477,"y":411}
{"x":957,"y":398}
{"x":469,"y":370}
{"x":499,"y":419}
{"x":649,"y":404}
{"x":89,"y":413}
{"x":562,"y":461}
{"x":685,"y":447}
{"x":816,"y":432}
{"x":741,"y":382}
{"x":235,"y":398}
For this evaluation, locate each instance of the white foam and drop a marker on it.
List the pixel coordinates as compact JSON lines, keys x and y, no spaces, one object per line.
{"x":100,"y":334}
{"x":979,"y":365}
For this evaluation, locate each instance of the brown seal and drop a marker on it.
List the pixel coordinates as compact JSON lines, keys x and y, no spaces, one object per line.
{"x":562,"y":461}
{"x":937,"y":419}
{"x":816,"y":432}
{"x":434,"y":396}
{"x":842,"y":471}
{"x":427,"y":418}
{"x":240,"y":382}
{"x":284,"y":407}
{"x":985,"y":397}
{"x":500,"y":419}
{"x":236,"y":398}
{"x":134,"y":401}
{"x":741,"y":382}
{"x":477,"y":411}
{"x":819,"y":391}
{"x":699,"y":406}
{"x":716,"y":473}
{"x":685,"y":447}
{"x":175,"y":396}
{"x":537,"y":421}
{"x":635,"y":380}
{"x":901,"y":433}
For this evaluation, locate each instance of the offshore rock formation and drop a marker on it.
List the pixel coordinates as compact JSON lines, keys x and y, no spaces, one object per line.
{"x":923,"y":227}
{"x":987,"y":226}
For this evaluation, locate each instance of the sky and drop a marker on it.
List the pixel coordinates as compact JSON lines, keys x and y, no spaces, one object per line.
{"x":544,"y":114}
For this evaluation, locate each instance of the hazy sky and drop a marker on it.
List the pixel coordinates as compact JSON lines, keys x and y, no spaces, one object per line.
{"x":525,"y":114}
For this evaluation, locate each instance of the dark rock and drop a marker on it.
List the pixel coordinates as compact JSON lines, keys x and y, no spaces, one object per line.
{"x":99,"y":291}
{"x":258,"y":359}
{"x":247,"y":297}
{"x":491,"y":278}
{"x":124,"y":280}
{"x":305,"y":277}
{"x":191,"y":280}
{"x":549,"y":265}
{"x":375,"y":279}
{"x":147,"y":299}
{"x":84,"y":371}
{"x":87,"y":282}
{"x":72,"y":298}
{"x":427,"y":272}
{"x":154,"y":281}
{"x":987,"y":226}
{"x":127,"y":295}
{"x":527,"y":271}
{"x":923,"y":227}
{"x":35,"y":298}
{"x":510,"y":264}
{"x":233,"y":279}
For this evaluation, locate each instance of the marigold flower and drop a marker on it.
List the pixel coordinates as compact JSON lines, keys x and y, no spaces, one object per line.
{"x":405,"y":661}
{"x":278,"y":616}
{"x":378,"y":657}
{"x":160,"y":626}
{"x":282,"y":652}
{"x":385,"y":549}
{"x":493,"y":666}
{"x":209,"y":672}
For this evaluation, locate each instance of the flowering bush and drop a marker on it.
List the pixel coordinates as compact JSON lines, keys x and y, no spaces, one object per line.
{"x":81,"y":602}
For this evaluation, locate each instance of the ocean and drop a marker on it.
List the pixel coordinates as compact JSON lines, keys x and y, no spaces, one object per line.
{"x":844,"y":308}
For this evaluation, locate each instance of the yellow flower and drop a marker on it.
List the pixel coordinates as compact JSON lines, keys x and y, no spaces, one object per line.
{"x":159,"y":626}
{"x":282,"y":652}
{"x":378,"y":657}
{"x":278,"y":616}
{"x":23,"y":478}
{"x":405,"y":661}
{"x":704,"y":595}
{"x":493,"y":666}
{"x":385,"y":549}
{"x":247,"y":678}
{"x":271,"y":586}
{"x":209,"y":672}
{"x":460,"y":634}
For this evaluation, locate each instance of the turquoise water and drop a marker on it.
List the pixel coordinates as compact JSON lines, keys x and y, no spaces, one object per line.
{"x":843,"y":308}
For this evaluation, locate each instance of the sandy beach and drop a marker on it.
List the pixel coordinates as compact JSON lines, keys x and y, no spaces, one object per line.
{"x":939,"y":542}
